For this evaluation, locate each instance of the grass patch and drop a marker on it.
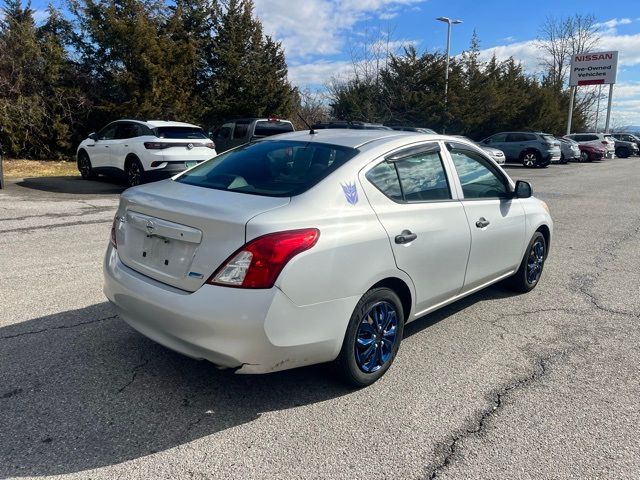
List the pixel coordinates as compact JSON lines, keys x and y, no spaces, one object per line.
{"x":39,"y":168}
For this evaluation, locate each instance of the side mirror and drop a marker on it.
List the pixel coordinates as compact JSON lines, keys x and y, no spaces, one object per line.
{"x":523,"y":189}
{"x":93,"y":136}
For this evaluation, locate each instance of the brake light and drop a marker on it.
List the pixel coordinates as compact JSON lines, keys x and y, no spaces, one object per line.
{"x":113,"y":240}
{"x":604,"y":142}
{"x":156,"y":145}
{"x":210,"y":145}
{"x":258,"y":263}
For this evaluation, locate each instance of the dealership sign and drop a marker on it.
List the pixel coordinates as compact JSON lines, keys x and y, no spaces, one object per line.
{"x":594,"y":68}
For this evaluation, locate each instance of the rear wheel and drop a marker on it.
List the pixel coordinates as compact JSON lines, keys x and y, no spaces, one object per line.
{"x":134,"y":172}
{"x":623,"y":152}
{"x":84,"y":166}
{"x":530,"y":271}
{"x":372,"y":339}
{"x":584,"y":157}
{"x":530,"y":159}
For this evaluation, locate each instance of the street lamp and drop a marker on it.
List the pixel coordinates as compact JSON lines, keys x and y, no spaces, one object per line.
{"x":449,"y":22}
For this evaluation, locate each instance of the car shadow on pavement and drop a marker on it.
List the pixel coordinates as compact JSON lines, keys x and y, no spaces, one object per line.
{"x":82,"y":390}
{"x":73,"y":185}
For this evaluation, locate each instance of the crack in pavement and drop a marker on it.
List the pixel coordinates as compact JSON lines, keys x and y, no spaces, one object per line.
{"x":84,"y":211}
{"x":134,"y":373}
{"x":450,"y":449}
{"x":55,"y":225}
{"x":60,"y":327}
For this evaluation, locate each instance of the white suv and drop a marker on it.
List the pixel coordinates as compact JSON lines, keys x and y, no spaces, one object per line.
{"x":598,"y":140}
{"x":143,"y":150}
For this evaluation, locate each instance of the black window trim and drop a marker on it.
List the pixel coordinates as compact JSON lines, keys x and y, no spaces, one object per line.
{"x":395,"y":157}
{"x":490,"y":165}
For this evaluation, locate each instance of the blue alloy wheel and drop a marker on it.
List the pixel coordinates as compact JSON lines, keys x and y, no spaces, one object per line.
{"x":377,"y":336}
{"x":535,"y":262}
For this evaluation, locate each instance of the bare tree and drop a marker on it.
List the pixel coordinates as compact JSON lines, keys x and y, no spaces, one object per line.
{"x":312,"y":106}
{"x":560,"y":39}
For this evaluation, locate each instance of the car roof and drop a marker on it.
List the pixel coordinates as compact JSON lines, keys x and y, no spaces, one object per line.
{"x":161,"y":123}
{"x":364,"y":139}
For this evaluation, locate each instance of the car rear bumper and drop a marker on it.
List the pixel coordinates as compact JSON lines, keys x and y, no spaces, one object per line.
{"x":257,"y":331}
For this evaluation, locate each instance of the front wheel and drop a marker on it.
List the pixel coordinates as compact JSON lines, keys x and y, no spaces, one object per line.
{"x":584,"y":157}
{"x":623,"y":152}
{"x":372,"y":338}
{"x":530,"y":271}
{"x":84,"y":166}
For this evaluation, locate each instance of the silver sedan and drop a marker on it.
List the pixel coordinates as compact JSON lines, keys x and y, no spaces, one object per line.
{"x":315,"y":247}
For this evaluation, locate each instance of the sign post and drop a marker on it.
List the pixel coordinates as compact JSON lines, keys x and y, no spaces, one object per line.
{"x":598,"y":68}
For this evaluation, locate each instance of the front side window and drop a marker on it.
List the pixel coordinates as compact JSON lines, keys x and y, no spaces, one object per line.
{"x":108,"y":132}
{"x":126,"y":130}
{"x":419,"y":177}
{"x":270,"y":168}
{"x":477,"y":176}
{"x":497,"y":138}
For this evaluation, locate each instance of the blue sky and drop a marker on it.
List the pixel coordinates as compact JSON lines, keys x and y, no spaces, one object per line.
{"x":322,"y":36}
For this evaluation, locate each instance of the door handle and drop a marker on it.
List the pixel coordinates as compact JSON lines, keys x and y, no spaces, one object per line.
{"x":482,"y":222}
{"x":405,"y":237}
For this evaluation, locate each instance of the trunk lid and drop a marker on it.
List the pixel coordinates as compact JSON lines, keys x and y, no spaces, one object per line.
{"x":180,"y":234}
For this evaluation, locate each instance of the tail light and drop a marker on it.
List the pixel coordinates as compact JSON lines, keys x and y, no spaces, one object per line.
{"x":156,"y":145}
{"x":604,"y":142}
{"x":258,"y":263}
{"x":210,"y":145}
{"x":113,"y":240}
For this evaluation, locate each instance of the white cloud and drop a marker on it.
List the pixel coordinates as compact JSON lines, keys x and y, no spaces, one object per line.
{"x":320,"y":72}
{"x":610,"y":27}
{"x":319,"y":27}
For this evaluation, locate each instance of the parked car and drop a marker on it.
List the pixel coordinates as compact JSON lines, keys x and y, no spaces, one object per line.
{"x":238,"y":132}
{"x":627,"y":137}
{"x":143,"y":150}
{"x":596,"y":140}
{"x":532,"y":149}
{"x":413,"y":129}
{"x":261,"y":259}
{"x":625,"y":149}
{"x":349,"y":125}
{"x":495,"y":154}
{"x":570,"y":150}
{"x":590,"y":153}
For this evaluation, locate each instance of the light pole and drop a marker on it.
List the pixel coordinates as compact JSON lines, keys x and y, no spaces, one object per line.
{"x":449,"y":22}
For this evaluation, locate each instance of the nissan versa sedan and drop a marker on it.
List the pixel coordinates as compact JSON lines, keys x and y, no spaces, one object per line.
{"x":319,"y":247}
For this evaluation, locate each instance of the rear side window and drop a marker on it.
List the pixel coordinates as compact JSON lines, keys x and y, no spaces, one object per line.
{"x":268,"y":128}
{"x":270,"y":168}
{"x":180,"y":132}
{"x":549,"y":138}
{"x":240,"y":131}
{"x":478,"y":177}
{"x":419,"y":177}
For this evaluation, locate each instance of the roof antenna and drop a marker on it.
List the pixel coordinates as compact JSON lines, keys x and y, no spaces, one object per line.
{"x":311,"y":130}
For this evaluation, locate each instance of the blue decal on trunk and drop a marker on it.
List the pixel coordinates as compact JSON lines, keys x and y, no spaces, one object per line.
{"x":350,"y":192}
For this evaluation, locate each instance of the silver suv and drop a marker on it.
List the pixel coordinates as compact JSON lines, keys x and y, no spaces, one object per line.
{"x":532,"y":149}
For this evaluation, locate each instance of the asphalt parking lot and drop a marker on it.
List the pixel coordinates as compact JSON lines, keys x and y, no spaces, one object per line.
{"x":543,"y":385}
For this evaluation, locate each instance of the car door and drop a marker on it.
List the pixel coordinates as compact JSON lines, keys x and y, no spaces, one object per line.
{"x":410,"y":193}
{"x":100,"y":151}
{"x":125,"y":132}
{"x":496,"y":219}
{"x":515,"y":144}
{"x":498,"y":141}
{"x":240,"y":133}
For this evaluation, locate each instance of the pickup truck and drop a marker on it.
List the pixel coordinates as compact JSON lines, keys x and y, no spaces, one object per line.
{"x":238,"y":132}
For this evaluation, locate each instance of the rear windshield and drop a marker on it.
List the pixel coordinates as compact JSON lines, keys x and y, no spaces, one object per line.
{"x":270,"y":168}
{"x":180,"y":132}
{"x":266,"y":129}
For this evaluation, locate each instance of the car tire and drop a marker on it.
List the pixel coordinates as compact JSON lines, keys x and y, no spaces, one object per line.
{"x":84,"y":166}
{"x":584,"y":157}
{"x":530,"y":270}
{"x":530,"y":159}
{"x":563,"y":160}
{"x":134,"y":172}
{"x":623,"y":152}
{"x":372,"y":339}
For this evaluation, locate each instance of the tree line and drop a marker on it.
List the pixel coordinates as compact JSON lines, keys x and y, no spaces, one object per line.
{"x":199,"y":61}
{"x":484,"y":96}
{"x":205,"y":61}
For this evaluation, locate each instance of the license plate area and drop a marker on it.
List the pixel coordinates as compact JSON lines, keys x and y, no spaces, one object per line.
{"x":190,"y":164}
